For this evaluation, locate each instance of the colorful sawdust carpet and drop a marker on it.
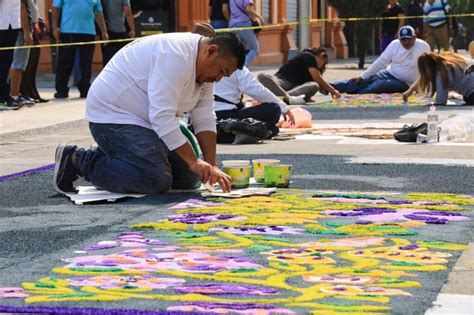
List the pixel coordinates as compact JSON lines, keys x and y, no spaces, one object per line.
{"x":373,"y":100}
{"x":295,"y":252}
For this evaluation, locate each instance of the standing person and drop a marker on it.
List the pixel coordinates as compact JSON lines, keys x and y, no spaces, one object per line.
{"x":388,"y":30}
{"x":28,"y":81}
{"x":20,"y":56}
{"x":441,"y":73}
{"x":415,"y":8}
{"x":228,"y":95}
{"x":219,"y":13}
{"x":133,"y":108}
{"x":10,"y":25}
{"x":394,"y":71}
{"x":77,"y":25}
{"x":437,"y":24}
{"x":116,"y":12}
{"x":242,"y":14}
{"x":300,"y":77}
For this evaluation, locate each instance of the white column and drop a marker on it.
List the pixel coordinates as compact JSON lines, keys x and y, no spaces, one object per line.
{"x":304,"y":28}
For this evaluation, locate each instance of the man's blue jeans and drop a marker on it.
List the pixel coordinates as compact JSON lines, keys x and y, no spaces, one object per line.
{"x":381,"y":82}
{"x":132,"y":159}
{"x":250,"y":40}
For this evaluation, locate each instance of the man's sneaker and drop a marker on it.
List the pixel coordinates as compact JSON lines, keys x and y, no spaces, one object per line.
{"x":297,"y":100}
{"x":64,"y":170}
{"x":26,"y":101}
{"x":15,"y":102}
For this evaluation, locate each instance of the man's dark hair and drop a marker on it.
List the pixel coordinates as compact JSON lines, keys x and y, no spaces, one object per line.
{"x":230,"y":45}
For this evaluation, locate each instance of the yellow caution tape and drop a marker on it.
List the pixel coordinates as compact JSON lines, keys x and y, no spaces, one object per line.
{"x":304,"y":20}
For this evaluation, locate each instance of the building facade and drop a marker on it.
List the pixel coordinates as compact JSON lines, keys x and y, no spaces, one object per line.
{"x":155,"y":16}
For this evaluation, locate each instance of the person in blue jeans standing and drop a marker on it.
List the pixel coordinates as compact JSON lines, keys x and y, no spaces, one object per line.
{"x":242,"y":14}
{"x":219,"y":13}
{"x":394,"y":71}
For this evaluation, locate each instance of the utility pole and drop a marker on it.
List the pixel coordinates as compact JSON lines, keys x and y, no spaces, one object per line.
{"x":304,"y":28}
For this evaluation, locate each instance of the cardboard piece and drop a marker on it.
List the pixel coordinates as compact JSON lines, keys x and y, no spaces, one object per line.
{"x":92,"y":194}
{"x":239,"y":193}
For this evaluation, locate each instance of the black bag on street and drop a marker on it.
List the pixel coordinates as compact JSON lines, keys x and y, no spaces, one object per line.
{"x":246,"y":131}
{"x":409,"y":133}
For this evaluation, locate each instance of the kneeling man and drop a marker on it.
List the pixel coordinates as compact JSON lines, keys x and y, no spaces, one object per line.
{"x":133,"y":109}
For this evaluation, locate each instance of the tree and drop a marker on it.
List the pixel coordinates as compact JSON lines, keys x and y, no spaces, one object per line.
{"x":362,"y":29}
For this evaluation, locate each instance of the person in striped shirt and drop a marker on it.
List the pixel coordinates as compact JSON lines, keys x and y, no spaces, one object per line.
{"x":437,"y":24}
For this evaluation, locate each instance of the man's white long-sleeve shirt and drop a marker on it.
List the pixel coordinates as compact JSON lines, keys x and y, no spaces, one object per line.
{"x":242,"y":81}
{"x":399,"y":62}
{"x":150,"y":83}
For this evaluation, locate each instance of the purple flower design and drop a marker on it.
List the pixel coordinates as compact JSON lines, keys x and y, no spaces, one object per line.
{"x":221,"y":288}
{"x":268,"y":230}
{"x":248,"y":308}
{"x":202,"y":218}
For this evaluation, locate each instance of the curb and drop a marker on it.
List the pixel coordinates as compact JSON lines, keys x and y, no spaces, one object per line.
{"x":14,"y":135}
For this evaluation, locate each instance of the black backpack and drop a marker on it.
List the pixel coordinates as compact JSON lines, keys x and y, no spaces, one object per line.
{"x":244,"y":131}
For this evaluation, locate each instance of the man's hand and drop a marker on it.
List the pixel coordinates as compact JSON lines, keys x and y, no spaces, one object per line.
{"x":57,"y":34}
{"x":335,"y":94}
{"x":289,"y":116}
{"x":211,"y":174}
{"x":224,"y":180}
{"x":203,"y":170}
{"x":104,"y":36}
{"x":131,"y":34}
{"x":28,"y":38}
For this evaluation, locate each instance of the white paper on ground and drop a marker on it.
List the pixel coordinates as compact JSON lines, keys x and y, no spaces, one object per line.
{"x":239,"y":193}
{"x":91,"y":194}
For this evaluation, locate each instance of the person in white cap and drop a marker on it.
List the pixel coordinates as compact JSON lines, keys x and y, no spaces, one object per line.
{"x":394,"y":71}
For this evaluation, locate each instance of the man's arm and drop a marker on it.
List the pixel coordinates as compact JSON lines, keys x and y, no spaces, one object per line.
{"x":380,"y":63}
{"x":99,"y":18}
{"x":208,"y":143}
{"x":28,"y":38}
{"x":401,"y":19}
{"x":129,"y":17}
{"x":226,"y":11}
{"x":56,"y":30}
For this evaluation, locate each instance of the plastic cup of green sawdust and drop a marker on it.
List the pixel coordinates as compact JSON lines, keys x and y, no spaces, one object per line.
{"x":259,"y":168}
{"x":240,"y":176}
{"x":277,"y":175}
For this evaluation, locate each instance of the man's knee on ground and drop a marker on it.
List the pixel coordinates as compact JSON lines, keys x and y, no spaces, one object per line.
{"x":157,"y":184}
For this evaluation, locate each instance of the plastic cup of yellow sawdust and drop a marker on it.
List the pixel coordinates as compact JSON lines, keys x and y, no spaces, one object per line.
{"x":277,"y":175}
{"x":259,"y":168}
{"x":240,"y":176}
{"x":235,"y":163}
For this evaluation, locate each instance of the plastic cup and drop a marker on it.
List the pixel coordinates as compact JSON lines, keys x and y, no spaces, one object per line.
{"x":240,"y":176}
{"x":235,"y":163}
{"x":259,"y":168}
{"x":277,"y":175}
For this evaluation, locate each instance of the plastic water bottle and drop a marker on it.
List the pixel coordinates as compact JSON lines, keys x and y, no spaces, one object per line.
{"x":432,"y":136}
